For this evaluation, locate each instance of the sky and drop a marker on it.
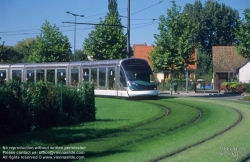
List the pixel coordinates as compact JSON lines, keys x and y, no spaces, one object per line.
{"x":22,"y":19}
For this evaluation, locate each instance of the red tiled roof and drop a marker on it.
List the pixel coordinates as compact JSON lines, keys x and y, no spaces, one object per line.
{"x":142,"y":51}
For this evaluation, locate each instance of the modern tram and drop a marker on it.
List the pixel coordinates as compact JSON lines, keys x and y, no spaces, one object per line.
{"x":131,"y":77}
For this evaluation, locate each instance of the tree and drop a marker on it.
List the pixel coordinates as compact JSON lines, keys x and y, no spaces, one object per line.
{"x":174,"y":49}
{"x":2,"y":56}
{"x":107,"y":41}
{"x":51,"y":45}
{"x":80,"y":55}
{"x":25,"y":48}
{"x":215,"y":24}
{"x":243,"y":36}
{"x":8,"y":54}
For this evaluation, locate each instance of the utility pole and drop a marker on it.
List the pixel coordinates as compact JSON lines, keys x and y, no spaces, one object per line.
{"x":75,"y":32}
{"x":128,"y":31}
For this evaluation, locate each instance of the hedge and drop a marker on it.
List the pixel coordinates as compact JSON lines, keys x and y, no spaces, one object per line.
{"x":28,"y":107}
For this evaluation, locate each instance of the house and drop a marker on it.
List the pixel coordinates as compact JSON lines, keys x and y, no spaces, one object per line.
{"x":244,"y":72}
{"x":225,"y":63}
{"x":142,"y":51}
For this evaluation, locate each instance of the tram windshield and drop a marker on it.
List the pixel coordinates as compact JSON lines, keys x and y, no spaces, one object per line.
{"x":139,"y":75}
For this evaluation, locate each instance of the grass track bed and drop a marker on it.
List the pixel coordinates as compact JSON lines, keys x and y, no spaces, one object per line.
{"x":170,"y":142}
{"x":140,"y":134}
{"x":141,"y":131}
{"x":115,"y":142}
{"x":233,"y":145}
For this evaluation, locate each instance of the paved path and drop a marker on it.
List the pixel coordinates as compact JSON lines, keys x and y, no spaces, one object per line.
{"x":209,"y":95}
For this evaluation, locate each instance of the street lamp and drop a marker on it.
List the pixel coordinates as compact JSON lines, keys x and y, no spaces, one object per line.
{"x":75,"y":32}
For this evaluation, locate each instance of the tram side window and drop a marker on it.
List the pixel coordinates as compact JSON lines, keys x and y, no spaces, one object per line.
{"x":94,"y":76}
{"x":61,"y":76}
{"x":51,"y":76}
{"x":30,"y":77}
{"x":39,"y":75}
{"x":2,"y":76}
{"x":122,"y":78}
{"x":102,"y":77}
{"x":17,"y":75}
{"x":86,"y":75}
{"x":74,"y":77}
{"x":111,"y":77}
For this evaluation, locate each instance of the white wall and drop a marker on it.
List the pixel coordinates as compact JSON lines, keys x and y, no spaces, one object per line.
{"x":160,"y":76}
{"x":244,"y":73}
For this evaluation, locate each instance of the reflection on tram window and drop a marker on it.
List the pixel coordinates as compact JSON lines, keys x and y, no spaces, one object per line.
{"x":2,"y":76}
{"x":17,"y":75}
{"x":143,"y":77}
{"x":74,"y":77}
{"x":94,"y":76}
{"x":102,"y":77}
{"x":86,"y":75}
{"x":111,"y":77}
{"x":140,"y":76}
{"x":61,"y":76}
{"x":122,"y":79}
{"x":51,"y":76}
{"x":30,"y":78}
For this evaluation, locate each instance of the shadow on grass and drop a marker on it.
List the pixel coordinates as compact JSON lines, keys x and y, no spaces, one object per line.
{"x":150,"y":98}
{"x":57,"y":136}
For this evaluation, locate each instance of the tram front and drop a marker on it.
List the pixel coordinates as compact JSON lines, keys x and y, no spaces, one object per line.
{"x":139,"y":78}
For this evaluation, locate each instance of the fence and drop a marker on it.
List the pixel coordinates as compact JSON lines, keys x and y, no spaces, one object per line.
{"x":180,"y":85}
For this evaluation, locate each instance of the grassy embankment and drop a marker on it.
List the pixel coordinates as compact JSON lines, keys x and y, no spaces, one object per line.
{"x":232,"y":145}
{"x":135,"y":131}
{"x":112,"y":115}
{"x":214,"y":119}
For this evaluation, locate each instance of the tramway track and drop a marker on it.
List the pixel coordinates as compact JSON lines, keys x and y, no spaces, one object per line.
{"x":240,"y":117}
{"x":150,"y":125}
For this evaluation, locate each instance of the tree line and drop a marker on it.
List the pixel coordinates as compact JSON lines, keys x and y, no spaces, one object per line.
{"x":198,"y":27}
{"x":181,"y":31}
{"x":106,"y":41}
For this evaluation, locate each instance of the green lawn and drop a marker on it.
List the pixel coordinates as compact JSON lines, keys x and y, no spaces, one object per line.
{"x":170,"y":129}
{"x":112,"y":115}
{"x":232,"y":145}
{"x":214,"y":120}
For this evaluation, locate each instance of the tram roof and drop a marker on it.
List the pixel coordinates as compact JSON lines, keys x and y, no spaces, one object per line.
{"x":62,"y":64}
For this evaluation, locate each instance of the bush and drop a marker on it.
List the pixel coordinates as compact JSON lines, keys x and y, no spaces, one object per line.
{"x":232,"y":87}
{"x":14,"y":116}
{"x":247,"y":87}
{"x":27,"y":107}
